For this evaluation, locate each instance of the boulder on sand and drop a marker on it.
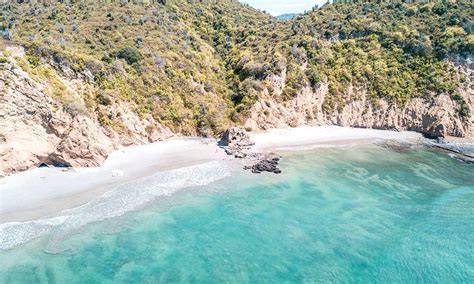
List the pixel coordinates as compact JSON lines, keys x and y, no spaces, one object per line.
{"x":236,"y":142}
{"x":236,"y":136}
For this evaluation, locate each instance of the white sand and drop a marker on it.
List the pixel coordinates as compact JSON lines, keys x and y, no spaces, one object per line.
{"x":308,"y":137}
{"x":41,"y":192}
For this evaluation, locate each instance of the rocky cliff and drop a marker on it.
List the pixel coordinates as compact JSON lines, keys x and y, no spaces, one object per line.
{"x":36,"y":128}
{"x":437,"y":116}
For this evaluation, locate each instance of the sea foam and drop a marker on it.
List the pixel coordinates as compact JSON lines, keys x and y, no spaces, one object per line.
{"x":114,"y":203}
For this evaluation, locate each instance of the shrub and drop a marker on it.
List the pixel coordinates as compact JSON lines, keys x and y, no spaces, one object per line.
{"x":103,"y":99}
{"x":130,"y":55}
{"x":255,"y":69}
{"x":32,"y":59}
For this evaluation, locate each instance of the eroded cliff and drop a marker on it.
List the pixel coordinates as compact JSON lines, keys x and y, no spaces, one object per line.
{"x":36,"y":127}
{"x":436,"y":116}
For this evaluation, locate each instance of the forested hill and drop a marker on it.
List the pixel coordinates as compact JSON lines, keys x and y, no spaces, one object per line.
{"x":200,"y":66}
{"x":394,"y":50}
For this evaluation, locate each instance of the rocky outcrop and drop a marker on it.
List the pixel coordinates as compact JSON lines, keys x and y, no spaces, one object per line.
{"x":36,"y":128}
{"x":236,"y":142}
{"x":434,"y":117}
{"x":266,"y":164}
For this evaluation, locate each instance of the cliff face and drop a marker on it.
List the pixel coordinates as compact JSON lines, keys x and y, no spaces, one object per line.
{"x":35,"y":128}
{"x":436,"y":116}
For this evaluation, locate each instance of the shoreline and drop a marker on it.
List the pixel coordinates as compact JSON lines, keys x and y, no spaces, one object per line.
{"x":42,"y":192}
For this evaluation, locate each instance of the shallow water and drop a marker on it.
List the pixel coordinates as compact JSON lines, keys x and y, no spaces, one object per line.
{"x":365,"y":214}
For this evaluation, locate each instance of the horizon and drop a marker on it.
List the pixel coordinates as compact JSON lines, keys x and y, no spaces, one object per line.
{"x":280,"y":7}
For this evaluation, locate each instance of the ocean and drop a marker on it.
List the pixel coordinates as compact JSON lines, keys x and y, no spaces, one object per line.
{"x":364,"y":214}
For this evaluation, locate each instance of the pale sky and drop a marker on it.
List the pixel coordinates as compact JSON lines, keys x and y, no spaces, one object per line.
{"x":278,"y":7}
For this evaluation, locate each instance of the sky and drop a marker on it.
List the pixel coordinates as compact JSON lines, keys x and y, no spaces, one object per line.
{"x":278,"y":7}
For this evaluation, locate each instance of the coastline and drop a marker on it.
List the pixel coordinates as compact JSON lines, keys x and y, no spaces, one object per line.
{"x":44,"y":191}
{"x":323,"y":136}
{"x":40,"y":192}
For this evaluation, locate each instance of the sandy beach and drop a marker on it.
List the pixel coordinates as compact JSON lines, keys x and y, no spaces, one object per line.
{"x":44,"y":191}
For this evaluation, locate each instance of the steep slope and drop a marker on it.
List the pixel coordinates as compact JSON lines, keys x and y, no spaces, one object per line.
{"x":160,"y":57}
{"x":369,"y":65}
{"x":37,"y":126}
{"x":84,"y":79}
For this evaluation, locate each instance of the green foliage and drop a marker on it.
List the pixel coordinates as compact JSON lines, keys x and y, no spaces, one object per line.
{"x":32,"y":59}
{"x":197,"y":66}
{"x":463,"y":109}
{"x":130,"y":55}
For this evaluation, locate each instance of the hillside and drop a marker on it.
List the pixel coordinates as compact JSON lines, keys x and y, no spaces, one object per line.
{"x":99,"y":76}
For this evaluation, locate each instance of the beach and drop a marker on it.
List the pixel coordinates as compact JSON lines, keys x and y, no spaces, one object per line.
{"x":338,"y":208}
{"x":41,"y":192}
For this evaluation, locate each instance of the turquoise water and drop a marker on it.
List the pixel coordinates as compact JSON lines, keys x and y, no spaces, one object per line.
{"x":344,"y":215}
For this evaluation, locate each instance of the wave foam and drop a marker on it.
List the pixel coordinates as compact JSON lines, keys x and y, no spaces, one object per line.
{"x":120,"y":200}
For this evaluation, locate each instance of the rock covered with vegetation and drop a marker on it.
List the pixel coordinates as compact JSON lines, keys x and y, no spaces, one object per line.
{"x":138,"y":72}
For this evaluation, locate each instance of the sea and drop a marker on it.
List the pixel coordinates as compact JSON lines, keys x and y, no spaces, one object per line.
{"x":360,"y":214}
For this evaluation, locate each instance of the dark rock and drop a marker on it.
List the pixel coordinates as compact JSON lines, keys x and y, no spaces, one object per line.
{"x":397,"y":146}
{"x":236,"y":142}
{"x":267,"y":164}
{"x":139,"y":40}
{"x":43,"y":165}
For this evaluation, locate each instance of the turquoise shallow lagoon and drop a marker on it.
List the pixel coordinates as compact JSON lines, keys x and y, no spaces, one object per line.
{"x":345,"y":215}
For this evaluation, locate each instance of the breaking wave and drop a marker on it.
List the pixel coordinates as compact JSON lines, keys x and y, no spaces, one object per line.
{"x":120,"y":200}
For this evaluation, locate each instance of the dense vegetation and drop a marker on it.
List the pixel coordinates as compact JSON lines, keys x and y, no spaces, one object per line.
{"x":199,"y":65}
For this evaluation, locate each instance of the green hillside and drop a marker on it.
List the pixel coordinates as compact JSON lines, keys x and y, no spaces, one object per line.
{"x":198,"y":66}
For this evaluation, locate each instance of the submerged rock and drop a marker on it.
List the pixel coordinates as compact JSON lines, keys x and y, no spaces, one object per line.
{"x":398,"y":146}
{"x":462,"y":151}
